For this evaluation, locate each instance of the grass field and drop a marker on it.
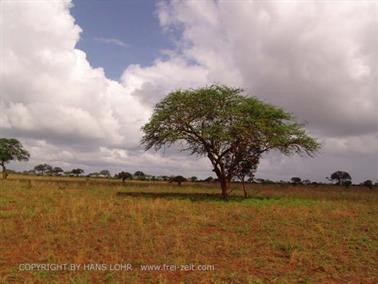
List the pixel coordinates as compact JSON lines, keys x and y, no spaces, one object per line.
{"x":281,"y":234}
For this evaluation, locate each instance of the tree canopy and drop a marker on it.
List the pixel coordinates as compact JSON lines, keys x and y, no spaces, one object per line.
{"x":105,"y":173}
{"x":227,"y":127}
{"x":296,"y":180}
{"x":11,"y":149}
{"x":43,"y":169}
{"x":139,"y":174}
{"x":124,"y":176}
{"x":77,"y":172}
{"x":341,"y":177}
{"x":368,"y":183}
{"x":57,"y":171}
{"x":178,"y":179}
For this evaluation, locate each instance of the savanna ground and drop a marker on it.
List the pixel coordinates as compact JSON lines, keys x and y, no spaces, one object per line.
{"x":281,"y":234}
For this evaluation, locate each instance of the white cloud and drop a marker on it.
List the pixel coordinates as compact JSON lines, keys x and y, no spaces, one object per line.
{"x":151,"y":84}
{"x":315,"y":59}
{"x":48,"y":88}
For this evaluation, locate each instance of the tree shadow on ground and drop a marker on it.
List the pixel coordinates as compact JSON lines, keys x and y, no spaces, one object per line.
{"x":190,"y":196}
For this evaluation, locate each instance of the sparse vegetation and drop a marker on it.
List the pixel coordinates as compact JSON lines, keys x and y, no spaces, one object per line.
{"x":300,"y":234}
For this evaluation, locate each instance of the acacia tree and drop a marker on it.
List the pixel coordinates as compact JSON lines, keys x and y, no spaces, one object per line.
{"x":368,"y":183}
{"x":247,"y":168}
{"x":43,"y":169}
{"x":340,"y":177}
{"x":57,"y":171}
{"x":296,"y":180}
{"x":124,"y":176}
{"x":11,"y":149}
{"x":227,"y":127}
{"x":77,"y":172}
{"x":105,"y":173}
{"x":193,"y":179}
{"x":178,"y":179}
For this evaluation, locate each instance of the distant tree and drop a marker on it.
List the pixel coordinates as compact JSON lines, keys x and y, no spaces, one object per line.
{"x":296,"y":180}
{"x":105,"y":173}
{"x":178,"y":179}
{"x":340,"y":177}
{"x":43,"y":169}
{"x":164,"y":178}
{"x":140,"y":175}
{"x":209,"y":179}
{"x":193,"y":179}
{"x":247,"y":168}
{"x":368,"y":183}
{"x":306,"y":182}
{"x":347,"y":183}
{"x":29,"y":172}
{"x":11,"y":149}
{"x":57,"y":171}
{"x":77,"y":172}
{"x":220,"y":123}
{"x":124,"y":176}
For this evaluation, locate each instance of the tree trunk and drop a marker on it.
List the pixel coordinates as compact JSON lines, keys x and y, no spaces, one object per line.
{"x":5,"y":174}
{"x":245,"y":191}
{"x":225,"y":186}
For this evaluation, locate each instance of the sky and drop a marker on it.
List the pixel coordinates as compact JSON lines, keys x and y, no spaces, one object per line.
{"x":79,"y":79}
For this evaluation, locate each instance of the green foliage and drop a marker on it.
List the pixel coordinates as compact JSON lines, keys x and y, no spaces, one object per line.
{"x":11,"y":149}
{"x":227,"y":127}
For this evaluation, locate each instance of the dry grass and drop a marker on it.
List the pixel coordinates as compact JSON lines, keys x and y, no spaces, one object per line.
{"x":279,"y":235}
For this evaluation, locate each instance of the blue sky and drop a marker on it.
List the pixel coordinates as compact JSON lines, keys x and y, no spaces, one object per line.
{"x":134,"y":23}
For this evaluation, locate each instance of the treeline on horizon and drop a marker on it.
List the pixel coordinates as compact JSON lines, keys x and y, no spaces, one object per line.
{"x":340,"y":178}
